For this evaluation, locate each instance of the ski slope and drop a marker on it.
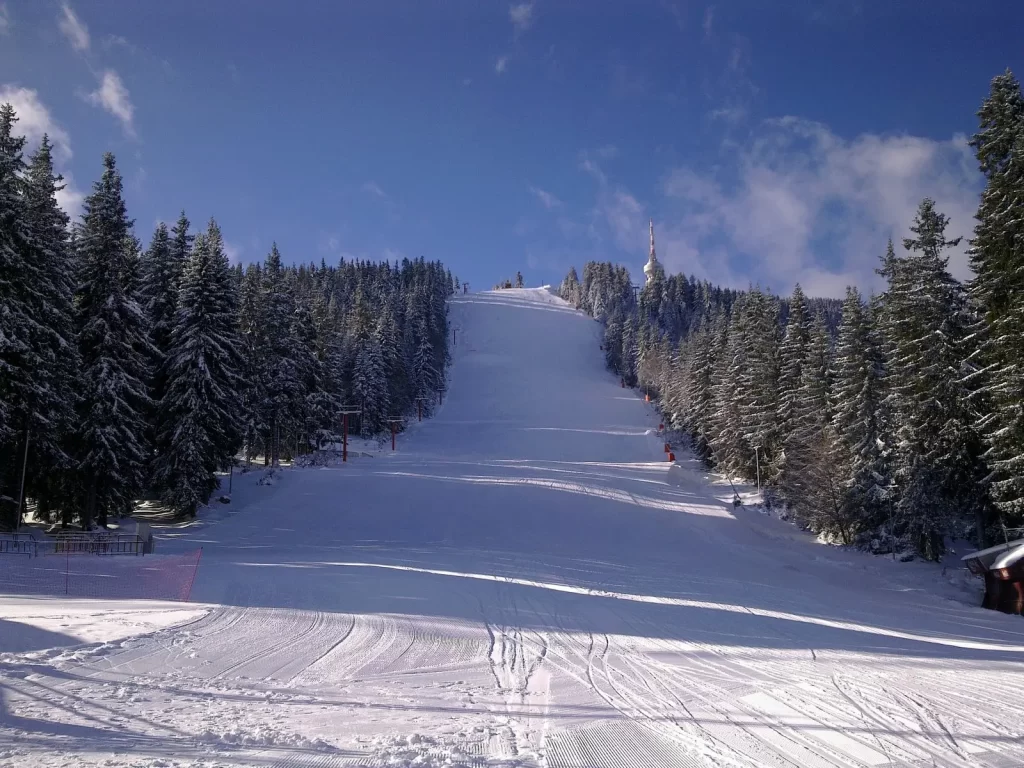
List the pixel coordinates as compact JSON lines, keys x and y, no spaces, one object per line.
{"x":526,"y":582}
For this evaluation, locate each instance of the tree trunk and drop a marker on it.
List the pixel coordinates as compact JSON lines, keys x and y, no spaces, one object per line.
{"x":90,"y":506}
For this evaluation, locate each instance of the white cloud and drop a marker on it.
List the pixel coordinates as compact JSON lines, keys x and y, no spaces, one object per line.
{"x":608,"y":151}
{"x":547,"y":199}
{"x":373,"y":188}
{"x":467,"y":81}
{"x":233,"y":252}
{"x":810,"y":206}
{"x":624,"y":216}
{"x":74,"y":30}
{"x":114,"y":98}
{"x":591,"y":167}
{"x":34,"y":119}
{"x":521,"y":15}
{"x":731,"y":115}
{"x":5,"y":19}
{"x":501,"y":64}
{"x":392,"y":254}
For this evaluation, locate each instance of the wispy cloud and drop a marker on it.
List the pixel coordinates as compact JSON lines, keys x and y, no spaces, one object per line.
{"x":731,"y":115}
{"x":233,"y":251}
{"x":709,"y":21}
{"x":119,"y":41}
{"x":112,"y":96}
{"x":73,"y":28}
{"x":501,"y":65}
{"x":810,"y":206}
{"x":373,"y":188}
{"x":547,"y":199}
{"x":5,"y":19}
{"x":521,"y":15}
{"x":608,"y":151}
{"x":589,"y":165}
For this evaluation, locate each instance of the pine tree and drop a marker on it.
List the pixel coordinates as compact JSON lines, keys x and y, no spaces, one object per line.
{"x":55,"y":379}
{"x":938,"y":466}
{"x":255,"y":428}
{"x":997,"y":258}
{"x":791,"y":356}
{"x":709,"y":345}
{"x":161,"y":269}
{"x":815,"y":469}
{"x":18,"y":361}
{"x":731,"y":452}
{"x":114,"y":347}
{"x":758,"y":378}
{"x":200,"y":413}
{"x":283,"y":389}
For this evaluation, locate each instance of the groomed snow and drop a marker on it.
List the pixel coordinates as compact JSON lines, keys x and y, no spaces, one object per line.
{"x":526,"y":582}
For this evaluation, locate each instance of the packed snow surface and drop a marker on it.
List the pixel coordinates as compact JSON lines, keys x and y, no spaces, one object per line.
{"x":525,"y":582}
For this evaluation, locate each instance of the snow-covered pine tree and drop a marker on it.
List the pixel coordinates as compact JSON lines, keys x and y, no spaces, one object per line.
{"x":114,"y":347}
{"x":816,"y":470}
{"x":707,"y":347}
{"x":758,"y":378}
{"x":283,"y":386}
{"x":570,"y":288}
{"x":938,"y":467}
{"x":997,"y":258}
{"x":200,"y":414}
{"x":50,"y":480}
{"x":160,"y":270}
{"x":630,"y":355}
{"x":730,"y":450}
{"x":255,"y":429}
{"x":324,"y":402}
{"x":791,"y":356}
{"x":18,"y":360}
{"x":859,"y":420}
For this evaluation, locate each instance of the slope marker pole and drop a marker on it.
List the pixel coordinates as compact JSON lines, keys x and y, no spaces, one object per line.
{"x":394,"y":421}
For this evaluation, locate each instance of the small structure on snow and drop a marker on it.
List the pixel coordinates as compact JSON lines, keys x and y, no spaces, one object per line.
{"x":1002,"y":567}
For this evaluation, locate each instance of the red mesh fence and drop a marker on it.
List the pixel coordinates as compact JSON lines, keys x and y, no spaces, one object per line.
{"x":150,"y":577}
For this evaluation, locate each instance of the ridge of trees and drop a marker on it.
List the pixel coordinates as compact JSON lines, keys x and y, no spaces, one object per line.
{"x":893,"y":422}
{"x":128,"y":373}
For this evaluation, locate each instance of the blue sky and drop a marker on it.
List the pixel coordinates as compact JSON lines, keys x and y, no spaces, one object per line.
{"x":770,"y":141}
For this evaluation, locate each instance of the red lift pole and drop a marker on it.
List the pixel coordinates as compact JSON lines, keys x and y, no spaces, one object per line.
{"x":394,"y":421}
{"x":345,"y":411}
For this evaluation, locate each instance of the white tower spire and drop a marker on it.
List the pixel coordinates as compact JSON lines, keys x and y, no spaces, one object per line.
{"x":652,"y":264}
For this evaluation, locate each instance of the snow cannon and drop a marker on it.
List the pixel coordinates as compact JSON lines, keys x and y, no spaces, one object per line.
{"x":647,"y":398}
{"x":671,"y":456}
{"x":661,"y":427}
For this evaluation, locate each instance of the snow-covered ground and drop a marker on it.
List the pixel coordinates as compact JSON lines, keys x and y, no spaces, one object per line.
{"x":525,"y":582}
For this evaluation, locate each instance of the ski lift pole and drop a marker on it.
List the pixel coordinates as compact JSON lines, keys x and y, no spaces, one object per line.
{"x":757,"y":463}
{"x":394,"y":421}
{"x":345,"y":411}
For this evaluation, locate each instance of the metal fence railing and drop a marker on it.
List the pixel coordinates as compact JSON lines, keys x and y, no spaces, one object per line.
{"x":77,"y":573}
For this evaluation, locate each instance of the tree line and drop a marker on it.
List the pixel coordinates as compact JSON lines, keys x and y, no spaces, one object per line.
{"x":892,"y":422}
{"x":128,"y":373}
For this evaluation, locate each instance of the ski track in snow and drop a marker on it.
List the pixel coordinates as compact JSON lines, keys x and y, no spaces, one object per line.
{"x":525,"y":583}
